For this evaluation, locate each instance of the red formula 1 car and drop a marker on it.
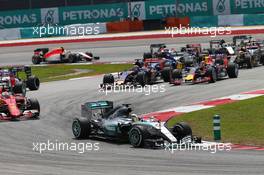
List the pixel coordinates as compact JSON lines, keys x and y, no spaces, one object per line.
{"x":15,"y":106}
{"x":215,"y":67}
{"x":60,"y":55}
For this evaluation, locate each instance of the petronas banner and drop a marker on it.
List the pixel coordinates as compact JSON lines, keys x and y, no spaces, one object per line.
{"x":93,"y":13}
{"x":157,"y":9}
{"x":19,"y":18}
{"x":247,"y":6}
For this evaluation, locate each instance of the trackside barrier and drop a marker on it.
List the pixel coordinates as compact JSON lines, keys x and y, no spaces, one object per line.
{"x":176,"y":22}
{"x":253,"y":19}
{"x":9,"y":34}
{"x":153,"y":24}
{"x":203,"y":21}
{"x":124,"y":26}
{"x":230,"y":20}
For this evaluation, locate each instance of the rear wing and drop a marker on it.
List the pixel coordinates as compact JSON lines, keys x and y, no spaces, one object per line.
{"x":241,"y":37}
{"x":89,"y":107}
{"x":156,"y":46}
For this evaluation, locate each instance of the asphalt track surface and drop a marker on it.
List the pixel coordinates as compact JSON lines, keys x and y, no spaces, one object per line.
{"x":60,"y":103}
{"x":107,"y":50}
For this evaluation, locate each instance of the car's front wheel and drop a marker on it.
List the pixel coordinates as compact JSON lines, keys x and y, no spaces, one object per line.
{"x":81,"y":128}
{"x":34,"y":105}
{"x":136,"y":137}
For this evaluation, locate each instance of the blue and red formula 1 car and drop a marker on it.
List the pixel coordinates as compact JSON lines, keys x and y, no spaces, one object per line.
{"x":213,"y":68}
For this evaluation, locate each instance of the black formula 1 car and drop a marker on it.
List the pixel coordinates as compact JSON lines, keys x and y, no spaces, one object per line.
{"x":30,"y":81}
{"x":145,"y":72}
{"x":102,"y":119}
{"x":60,"y":55}
{"x":251,"y":54}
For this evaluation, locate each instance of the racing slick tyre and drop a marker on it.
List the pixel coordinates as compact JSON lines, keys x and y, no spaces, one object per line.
{"x":142,"y":78}
{"x":33,"y":83}
{"x":262,"y":60}
{"x":166,"y":74}
{"x":34,"y":105}
{"x":81,"y":128}
{"x":136,"y":137}
{"x":181,"y":130}
{"x":108,"y":79}
{"x":249,"y":63}
{"x":20,"y":88}
{"x":72,"y":58}
{"x":176,"y":74}
{"x":211,"y":72}
{"x":36,"y":59}
{"x":232,"y":70}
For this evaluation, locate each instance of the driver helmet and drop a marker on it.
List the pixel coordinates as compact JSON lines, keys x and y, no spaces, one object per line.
{"x":134,"y":117}
{"x":5,"y":94}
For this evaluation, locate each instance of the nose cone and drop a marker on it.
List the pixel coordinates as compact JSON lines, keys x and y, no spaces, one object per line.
{"x":14,"y":111}
{"x":189,"y":77}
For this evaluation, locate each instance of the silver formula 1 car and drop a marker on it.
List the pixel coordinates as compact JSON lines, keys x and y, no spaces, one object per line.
{"x":102,"y":119}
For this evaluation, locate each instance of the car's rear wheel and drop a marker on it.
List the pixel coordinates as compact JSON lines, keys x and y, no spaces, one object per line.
{"x":176,"y":74}
{"x":72,"y":58}
{"x":36,"y":60}
{"x":211,"y":72}
{"x":166,"y":74}
{"x":33,"y":83}
{"x":20,"y":88}
{"x":262,"y":60}
{"x":81,"y":128}
{"x":232,"y":70}
{"x":249,"y":63}
{"x":136,"y":137}
{"x":108,"y":79}
{"x":142,"y":78}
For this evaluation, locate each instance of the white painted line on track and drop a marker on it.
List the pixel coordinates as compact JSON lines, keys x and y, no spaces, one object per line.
{"x":241,"y":96}
{"x":186,"y":109}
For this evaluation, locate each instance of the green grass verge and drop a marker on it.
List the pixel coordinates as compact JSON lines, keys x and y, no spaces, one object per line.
{"x":64,"y":72}
{"x":241,"y":122}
